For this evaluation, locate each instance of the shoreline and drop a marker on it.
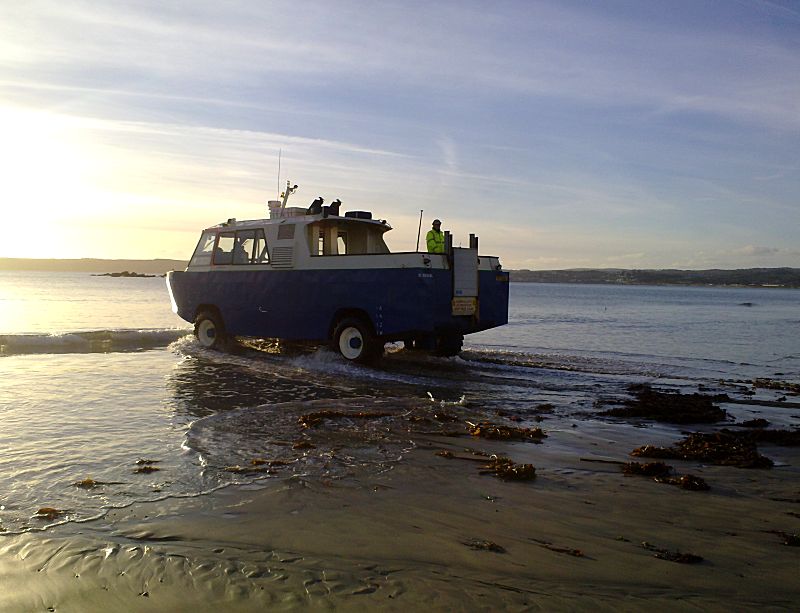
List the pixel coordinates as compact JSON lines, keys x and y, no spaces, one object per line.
{"x":754,"y":278}
{"x":419,"y":535}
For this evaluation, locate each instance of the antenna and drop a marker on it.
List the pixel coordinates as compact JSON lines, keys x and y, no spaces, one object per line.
{"x":279,"y":172}
{"x":419,"y":230}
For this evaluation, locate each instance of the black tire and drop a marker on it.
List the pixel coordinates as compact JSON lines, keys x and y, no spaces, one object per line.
{"x":354,"y":340}
{"x":210,"y":331}
{"x":448,"y":345}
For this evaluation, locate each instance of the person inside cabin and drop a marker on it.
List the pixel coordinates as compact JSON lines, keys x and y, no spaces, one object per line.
{"x":239,"y":253}
{"x":221,"y":256}
{"x":435,"y":238}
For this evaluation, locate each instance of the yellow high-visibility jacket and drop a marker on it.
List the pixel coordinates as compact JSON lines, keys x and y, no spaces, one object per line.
{"x":435,"y":241}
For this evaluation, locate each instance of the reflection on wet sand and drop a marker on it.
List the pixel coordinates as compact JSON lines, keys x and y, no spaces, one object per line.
{"x":354,"y":491}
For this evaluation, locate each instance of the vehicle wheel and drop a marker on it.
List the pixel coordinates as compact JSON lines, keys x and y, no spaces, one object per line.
{"x":448,"y":345}
{"x":209,"y":330}
{"x":354,"y":340}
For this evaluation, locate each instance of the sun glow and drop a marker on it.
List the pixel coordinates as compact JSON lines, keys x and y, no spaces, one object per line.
{"x":47,"y":180}
{"x":80,"y":189}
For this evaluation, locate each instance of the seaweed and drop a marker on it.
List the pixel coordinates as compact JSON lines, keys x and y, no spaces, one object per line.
{"x":685,"y":482}
{"x":672,"y":556}
{"x":653,"y":451}
{"x":507,"y":470}
{"x":671,"y":407}
{"x":485,"y":429}
{"x":314,"y":419}
{"x":772,"y":384}
{"x":662,"y":473}
{"x":258,"y":465}
{"x":759,"y":422}
{"x":577,"y":553}
{"x":89,"y":483}
{"x":49,"y":513}
{"x":650,"y":469}
{"x":482,"y":545}
{"x":724,"y":448}
{"x":146,"y":469}
{"x":789,"y":539}
{"x":501,"y":467}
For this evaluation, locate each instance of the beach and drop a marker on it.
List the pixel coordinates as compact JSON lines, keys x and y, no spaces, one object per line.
{"x":142,"y":472}
{"x":434,"y":532}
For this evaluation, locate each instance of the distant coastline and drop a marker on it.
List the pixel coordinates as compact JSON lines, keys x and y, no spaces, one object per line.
{"x":151,"y":267}
{"x":740,"y":277}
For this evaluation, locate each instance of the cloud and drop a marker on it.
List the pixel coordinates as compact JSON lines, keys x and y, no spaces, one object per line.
{"x":530,"y":50}
{"x":757,"y":250}
{"x":580,"y":133}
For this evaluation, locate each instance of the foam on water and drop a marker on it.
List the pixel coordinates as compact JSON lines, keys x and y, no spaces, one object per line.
{"x":89,"y":341}
{"x":270,"y":439}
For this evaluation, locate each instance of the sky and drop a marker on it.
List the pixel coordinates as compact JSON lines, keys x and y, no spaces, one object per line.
{"x":566,"y":134}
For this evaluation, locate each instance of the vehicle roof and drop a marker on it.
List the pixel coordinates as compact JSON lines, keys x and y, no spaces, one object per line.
{"x":233,"y":224}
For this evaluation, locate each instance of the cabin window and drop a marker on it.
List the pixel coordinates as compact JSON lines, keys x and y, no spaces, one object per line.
{"x":242,"y":247}
{"x":324,"y":239}
{"x":223,"y":254}
{"x":260,"y":251}
{"x":203,"y":251}
{"x":342,"y":243}
{"x":365,"y":240}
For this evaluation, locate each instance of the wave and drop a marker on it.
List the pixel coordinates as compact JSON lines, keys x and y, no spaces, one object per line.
{"x":93,"y":341}
{"x":324,"y":437}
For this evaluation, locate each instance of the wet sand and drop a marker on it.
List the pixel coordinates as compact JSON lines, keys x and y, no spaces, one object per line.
{"x":434,"y":533}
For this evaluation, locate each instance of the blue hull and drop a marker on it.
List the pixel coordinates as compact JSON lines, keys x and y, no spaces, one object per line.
{"x":305,"y":304}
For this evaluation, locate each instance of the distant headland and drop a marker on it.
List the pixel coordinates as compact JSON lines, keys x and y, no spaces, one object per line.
{"x":740,"y":277}
{"x":126,"y":273}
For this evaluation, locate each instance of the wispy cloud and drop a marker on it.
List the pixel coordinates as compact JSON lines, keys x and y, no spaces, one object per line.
{"x":526,"y":50}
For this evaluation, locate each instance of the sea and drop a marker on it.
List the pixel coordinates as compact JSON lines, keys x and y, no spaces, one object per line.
{"x":106,"y":398}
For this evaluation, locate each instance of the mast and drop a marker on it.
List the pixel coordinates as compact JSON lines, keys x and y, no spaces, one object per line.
{"x":285,"y":195}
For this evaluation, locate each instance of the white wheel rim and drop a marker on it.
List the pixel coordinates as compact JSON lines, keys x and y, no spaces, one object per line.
{"x":207,"y":333}
{"x":351,"y":343}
